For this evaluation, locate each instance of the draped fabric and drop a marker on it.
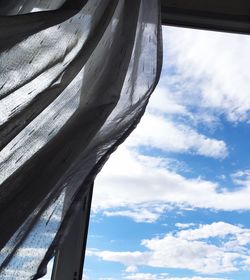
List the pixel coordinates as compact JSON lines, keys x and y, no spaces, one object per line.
{"x":75,"y":79}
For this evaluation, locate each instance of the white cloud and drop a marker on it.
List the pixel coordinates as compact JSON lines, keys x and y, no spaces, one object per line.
{"x":162,"y":276}
{"x":184,"y":225}
{"x":241,"y":177}
{"x":144,"y":276}
{"x":143,"y":187}
{"x":138,"y":215}
{"x":175,"y":250}
{"x":211,"y":70}
{"x":158,"y":132}
{"x":219,"y":229}
{"x":164,"y":101}
{"x":131,"y":269}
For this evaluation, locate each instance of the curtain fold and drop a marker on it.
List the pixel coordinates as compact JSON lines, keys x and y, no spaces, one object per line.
{"x":75,"y":79}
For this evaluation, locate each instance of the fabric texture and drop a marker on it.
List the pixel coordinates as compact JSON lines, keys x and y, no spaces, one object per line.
{"x":75,"y":78}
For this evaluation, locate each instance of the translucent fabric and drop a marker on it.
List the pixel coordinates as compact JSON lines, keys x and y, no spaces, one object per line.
{"x":74,"y":82}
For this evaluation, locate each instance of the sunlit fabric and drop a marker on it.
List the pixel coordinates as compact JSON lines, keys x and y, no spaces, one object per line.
{"x":74,"y":82}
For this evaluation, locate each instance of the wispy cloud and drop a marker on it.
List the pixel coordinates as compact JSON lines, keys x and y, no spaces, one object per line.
{"x":210,"y":71}
{"x":139,"y":215}
{"x":184,"y":225}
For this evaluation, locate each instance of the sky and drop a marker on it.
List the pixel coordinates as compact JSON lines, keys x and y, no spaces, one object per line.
{"x":172,"y":203}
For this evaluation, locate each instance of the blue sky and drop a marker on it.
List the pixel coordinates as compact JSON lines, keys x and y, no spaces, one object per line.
{"x":173,"y":201}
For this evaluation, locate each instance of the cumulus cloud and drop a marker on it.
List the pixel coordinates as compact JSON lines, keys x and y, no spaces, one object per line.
{"x":143,"y":187}
{"x":175,"y":250}
{"x":158,"y":132}
{"x":219,"y":229}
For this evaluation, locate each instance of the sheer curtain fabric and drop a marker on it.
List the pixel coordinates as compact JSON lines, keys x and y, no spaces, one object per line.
{"x":75,"y":79}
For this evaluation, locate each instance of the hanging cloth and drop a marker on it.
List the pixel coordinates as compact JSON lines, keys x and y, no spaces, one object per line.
{"x":75,"y":78}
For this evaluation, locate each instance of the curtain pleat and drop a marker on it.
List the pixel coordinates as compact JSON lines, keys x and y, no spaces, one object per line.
{"x":75,"y":79}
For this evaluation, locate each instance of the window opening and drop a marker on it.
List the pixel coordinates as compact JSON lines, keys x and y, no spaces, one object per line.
{"x":173,"y":202}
